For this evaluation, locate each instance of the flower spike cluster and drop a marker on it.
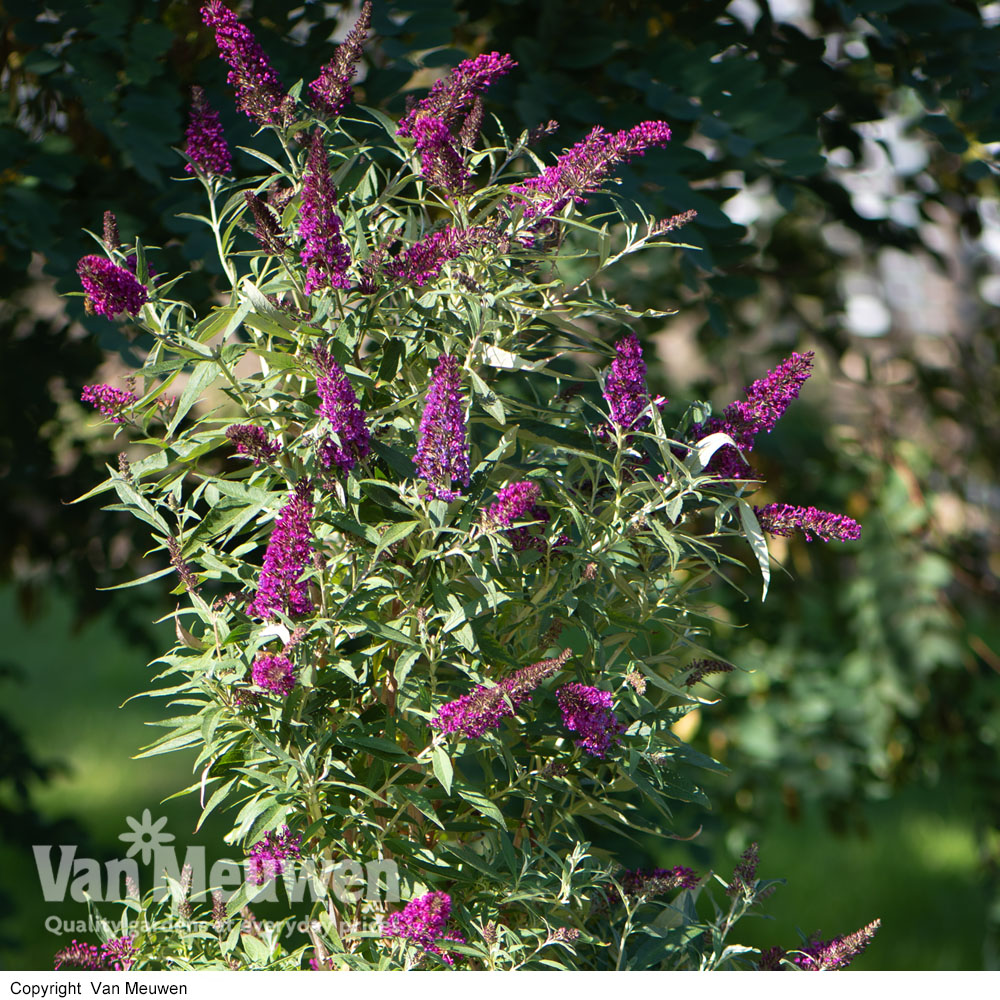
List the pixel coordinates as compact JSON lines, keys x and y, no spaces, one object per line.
{"x":253,"y":442}
{"x":442,"y":456}
{"x":339,"y":405}
{"x":332,"y":88}
{"x":259,"y":93}
{"x":110,"y":289}
{"x":424,"y":922}
{"x":288,"y":553}
{"x":838,"y":952}
{"x":205,"y":141}
{"x":324,"y":253}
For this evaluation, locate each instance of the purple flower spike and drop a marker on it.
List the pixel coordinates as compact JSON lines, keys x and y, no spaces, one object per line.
{"x":119,"y":953}
{"x":441,"y":162}
{"x":518,"y":502}
{"x":432,"y":121}
{"x":766,"y":400}
{"x":206,"y":142}
{"x":259,"y":93}
{"x":109,"y":400}
{"x":79,"y":956}
{"x":288,"y":553}
{"x":423,"y":261}
{"x":325,"y":253}
{"x":266,"y":859}
{"x":588,"y":711}
{"x":332,"y":88}
{"x":339,"y":405}
{"x":274,"y":672}
{"x":584,"y":168}
{"x":424,"y":922}
{"x":110,"y":289}
{"x":253,"y":442}
{"x":784,"y":519}
{"x":653,"y":883}
{"x":486,"y":707}
{"x":451,"y":97}
{"x":837,"y":953}
{"x":443,"y":451}
{"x":625,"y":389}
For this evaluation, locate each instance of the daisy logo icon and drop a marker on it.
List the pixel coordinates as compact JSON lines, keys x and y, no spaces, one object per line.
{"x":146,"y":837}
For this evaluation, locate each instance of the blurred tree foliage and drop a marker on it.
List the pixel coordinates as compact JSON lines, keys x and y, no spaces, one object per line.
{"x":860,"y":140}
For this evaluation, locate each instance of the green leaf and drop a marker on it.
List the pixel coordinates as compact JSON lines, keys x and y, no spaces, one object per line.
{"x":751,"y":527}
{"x":203,"y":375}
{"x":394,"y":533}
{"x":444,"y":771}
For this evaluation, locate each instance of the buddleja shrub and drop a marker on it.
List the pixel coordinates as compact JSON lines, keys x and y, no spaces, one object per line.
{"x":438,"y":553}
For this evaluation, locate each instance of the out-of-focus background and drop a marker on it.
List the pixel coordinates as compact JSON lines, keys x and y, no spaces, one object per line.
{"x":841,"y":158}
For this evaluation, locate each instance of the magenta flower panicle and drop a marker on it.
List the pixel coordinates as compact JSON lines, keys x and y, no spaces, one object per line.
{"x":656,"y":882}
{"x":766,"y":400}
{"x":785,"y":519}
{"x":205,"y":142}
{"x":625,"y":389}
{"x":274,"y":672}
{"x":422,"y":262}
{"x":585,"y":167}
{"x":110,"y":401}
{"x":266,"y":859}
{"x":79,"y":955}
{"x":486,"y":707}
{"x":837,"y":953}
{"x":332,"y":88}
{"x":442,"y":456}
{"x":119,"y":953}
{"x":259,"y":93}
{"x":452,"y":101}
{"x":424,"y":922}
{"x":589,"y":712}
{"x":745,"y":873}
{"x":280,"y":589}
{"x":253,"y":442}
{"x":518,"y":502}
{"x":110,"y":289}
{"x":339,"y":405}
{"x":324,"y":252}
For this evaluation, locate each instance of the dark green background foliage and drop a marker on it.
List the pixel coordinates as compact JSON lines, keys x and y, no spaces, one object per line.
{"x":874,"y":667}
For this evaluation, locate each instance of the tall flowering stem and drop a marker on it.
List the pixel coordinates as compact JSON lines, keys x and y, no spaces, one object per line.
{"x":110,"y":289}
{"x":324,"y":252}
{"x":259,"y":93}
{"x":785,"y":519}
{"x":424,"y":922}
{"x":288,"y":553}
{"x":339,"y":405}
{"x":205,"y":141}
{"x":331,"y":90}
{"x":442,"y":456}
